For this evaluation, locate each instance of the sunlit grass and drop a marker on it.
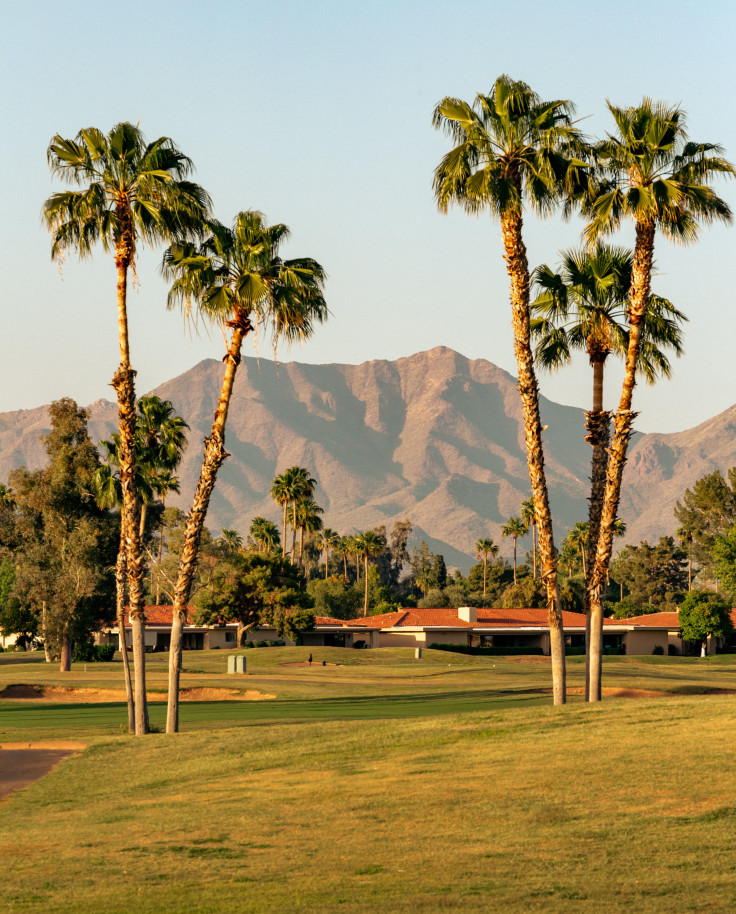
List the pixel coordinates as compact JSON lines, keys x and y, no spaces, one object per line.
{"x":627,"y":806}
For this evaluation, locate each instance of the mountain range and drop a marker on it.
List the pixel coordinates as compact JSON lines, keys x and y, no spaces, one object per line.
{"x":434,"y":437}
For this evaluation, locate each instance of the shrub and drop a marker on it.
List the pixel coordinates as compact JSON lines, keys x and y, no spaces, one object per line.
{"x":487,"y":650}
{"x":658,"y":650}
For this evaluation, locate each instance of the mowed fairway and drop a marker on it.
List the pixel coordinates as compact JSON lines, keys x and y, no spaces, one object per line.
{"x":424,"y":804}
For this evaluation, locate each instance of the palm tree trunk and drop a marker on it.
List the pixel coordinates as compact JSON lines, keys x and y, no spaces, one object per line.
{"x":514,"y":560}
{"x":365,"y":602}
{"x":301,"y":547}
{"x":327,"y":561}
{"x":598,"y":424}
{"x":120,"y":608}
{"x":622,"y":430}
{"x":214,"y":456}
{"x":517,"y":267}
{"x":293,"y":533}
{"x":283,"y":541}
{"x":124,"y":384}
{"x":485,"y":568}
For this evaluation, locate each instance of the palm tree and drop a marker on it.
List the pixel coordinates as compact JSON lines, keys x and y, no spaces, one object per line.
{"x":329,"y":539}
{"x":281,"y":493}
{"x":577,"y":539}
{"x":108,"y":493}
{"x":161,"y":440}
{"x":584,"y":307}
{"x":649,"y":172}
{"x":685,"y":535}
{"x":515,"y":527}
{"x":529,"y":516}
{"x":513,"y":148}
{"x":265,"y":534}
{"x":485,"y":547}
{"x":308,"y":520}
{"x":369,"y":544}
{"x":132,"y":191}
{"x":231,"y":541}
{"x":302,"y":487}
{"x":342,"y":548}
{"x":238,"y":280}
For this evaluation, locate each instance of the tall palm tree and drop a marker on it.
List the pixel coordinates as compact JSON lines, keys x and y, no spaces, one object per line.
{"x":650,"y":172}
{"x":231,"y":540}
{"x":577,"y":538}
{"x":511,"y":149}
{"x":514,"y":527}
{"x":584,"y":306}
{"x":132,"y":192}
{"x":108,"y":492}
{"x":238,"y":280}
{"x":485,"y":547}
{"x":369,"y":544}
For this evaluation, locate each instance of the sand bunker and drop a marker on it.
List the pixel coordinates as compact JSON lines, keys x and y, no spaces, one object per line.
{"x":22,"y":692}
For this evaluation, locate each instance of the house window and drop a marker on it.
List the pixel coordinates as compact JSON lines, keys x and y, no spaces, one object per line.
{"x":229,"y":637}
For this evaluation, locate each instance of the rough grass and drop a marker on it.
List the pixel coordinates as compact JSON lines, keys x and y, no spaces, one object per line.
{"x":628,"y":806}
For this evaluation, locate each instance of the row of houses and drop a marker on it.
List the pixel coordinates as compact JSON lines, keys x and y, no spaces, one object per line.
{"x":514,"y":628}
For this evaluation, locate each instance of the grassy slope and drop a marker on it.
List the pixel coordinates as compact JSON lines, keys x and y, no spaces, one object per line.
{"x":627,"y":806}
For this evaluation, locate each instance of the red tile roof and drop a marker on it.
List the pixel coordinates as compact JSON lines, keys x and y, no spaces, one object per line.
{"x":158,"y":615}
{"x":660,"y":620}
{"x":327,"y":620}
{"x":448,"y":618}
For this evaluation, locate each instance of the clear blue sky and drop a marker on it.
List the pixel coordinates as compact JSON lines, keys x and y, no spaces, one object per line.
{"x":319,"y":114}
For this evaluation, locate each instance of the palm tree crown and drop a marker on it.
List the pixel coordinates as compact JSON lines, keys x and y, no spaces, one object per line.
{"x":510,"y":146}
{"x":237,"y":277}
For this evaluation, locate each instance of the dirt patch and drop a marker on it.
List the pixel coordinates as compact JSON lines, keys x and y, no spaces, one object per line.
{"x":22,"y":692}
{"x":223,"y":695}
{"x":612,"y":692}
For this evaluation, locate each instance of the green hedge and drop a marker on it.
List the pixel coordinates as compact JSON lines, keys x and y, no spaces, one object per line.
{"x":489,"y":651}
{"x":271,"y":643}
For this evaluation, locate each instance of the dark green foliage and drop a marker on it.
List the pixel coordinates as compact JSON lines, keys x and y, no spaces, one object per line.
{"x":707,"y":511}
{"x":256,"y":589}
{"x":625,"y":609}
{"x":66,"y":544}
{"x":527,"y":593}
{"x":336,"y":598}
{"x":655,"y":575}
{"x":490,"y":651}
{"x":703,"y":613}
{"x":658,"y":650}
{"x":87,"y":652}
{"x":723,"y":554}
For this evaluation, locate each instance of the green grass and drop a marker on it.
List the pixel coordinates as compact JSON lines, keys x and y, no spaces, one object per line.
{"x":627,"y":806}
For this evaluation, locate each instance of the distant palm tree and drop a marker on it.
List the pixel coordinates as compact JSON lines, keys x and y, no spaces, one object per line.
{"x":515,"y":527}
{"x":329,"y":539}
{"x":369,"y":544}
{"x":231,"y":540}
{"x":240,"y":282}
{"x":485,"y":547}
{"x":309,"y":521}
{"x":265,"y":534}
{"x":131,"y":191}
{"x":529,"y":516}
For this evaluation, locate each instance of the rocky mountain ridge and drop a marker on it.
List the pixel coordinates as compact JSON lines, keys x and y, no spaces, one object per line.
{"x":435,"y":437}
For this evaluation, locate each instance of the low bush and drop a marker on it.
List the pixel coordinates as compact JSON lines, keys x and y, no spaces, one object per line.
{"x":488,"y":650}
{"x":93,"y":653}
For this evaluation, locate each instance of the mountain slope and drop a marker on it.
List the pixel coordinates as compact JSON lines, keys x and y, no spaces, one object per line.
{"x":434,"y":437}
